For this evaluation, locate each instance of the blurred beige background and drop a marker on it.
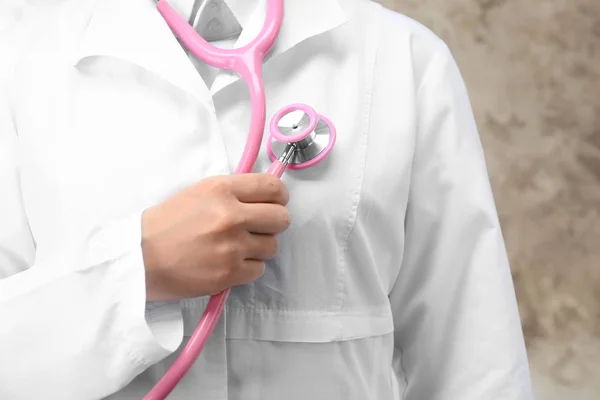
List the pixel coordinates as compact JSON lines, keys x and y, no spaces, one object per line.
{"x":533,"y":73}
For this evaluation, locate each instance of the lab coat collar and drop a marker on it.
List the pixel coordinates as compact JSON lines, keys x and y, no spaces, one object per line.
{"x":134,"y":31}
{"x":302,"y":20}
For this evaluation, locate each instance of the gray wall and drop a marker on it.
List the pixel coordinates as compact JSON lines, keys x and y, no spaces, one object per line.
{"x":533,"y":73}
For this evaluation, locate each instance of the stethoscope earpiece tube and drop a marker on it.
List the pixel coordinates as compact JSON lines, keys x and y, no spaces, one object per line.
{"x":302,"y":149}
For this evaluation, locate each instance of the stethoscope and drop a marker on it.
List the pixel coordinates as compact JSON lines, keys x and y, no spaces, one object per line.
{"x":300,"y":138}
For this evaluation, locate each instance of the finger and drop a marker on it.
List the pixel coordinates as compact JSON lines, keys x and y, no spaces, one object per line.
{"x":265,"y":218}
{"x":260,"y":247}
{"x":251,"y":270}
{"x":259,"y":188}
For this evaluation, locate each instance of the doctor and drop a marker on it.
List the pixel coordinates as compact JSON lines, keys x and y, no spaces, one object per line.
{"x":118,"y":214}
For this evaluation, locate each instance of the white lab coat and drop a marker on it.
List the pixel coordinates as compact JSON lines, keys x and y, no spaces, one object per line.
{"x":391,"y":283}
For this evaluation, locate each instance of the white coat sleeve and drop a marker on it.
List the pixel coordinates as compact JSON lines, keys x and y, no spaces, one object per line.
{"x":458,"y":334}
{"x":73,"y":326}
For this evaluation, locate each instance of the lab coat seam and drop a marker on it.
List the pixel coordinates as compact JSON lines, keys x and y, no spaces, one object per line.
{"x":410,"y":175}
{"x":410,"y":172}
{"x":349,"y":338}
{"x":384,"y":309}
{"x":309,"y":327}
{"x":413,"y":152}
{"x":301,"y":312}
{"x":371,"y":45}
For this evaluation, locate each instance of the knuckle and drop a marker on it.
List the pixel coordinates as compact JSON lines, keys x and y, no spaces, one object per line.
{"x":233,"y":254}
{"x":228,"y":254}
{"x":217,"y":184}
{"x":227,"y":218}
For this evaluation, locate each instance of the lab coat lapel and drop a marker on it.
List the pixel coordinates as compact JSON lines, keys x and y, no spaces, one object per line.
{"x":302,"y":20}
{"x":134,"y":31}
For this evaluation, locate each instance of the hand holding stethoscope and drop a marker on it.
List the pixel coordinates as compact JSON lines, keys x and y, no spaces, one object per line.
{"x":300,"y":137}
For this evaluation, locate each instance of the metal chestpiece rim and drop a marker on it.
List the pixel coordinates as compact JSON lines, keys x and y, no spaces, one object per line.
{"x":313,"y":136}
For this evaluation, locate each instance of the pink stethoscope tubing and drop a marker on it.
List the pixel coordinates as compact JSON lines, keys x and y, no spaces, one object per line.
{"x":247,"y":62}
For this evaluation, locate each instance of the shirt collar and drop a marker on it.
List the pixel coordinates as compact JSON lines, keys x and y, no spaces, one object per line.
{"x":133,"y":30}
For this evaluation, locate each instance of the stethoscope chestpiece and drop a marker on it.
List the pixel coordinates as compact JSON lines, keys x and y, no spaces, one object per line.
{"x":298,"y":128}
